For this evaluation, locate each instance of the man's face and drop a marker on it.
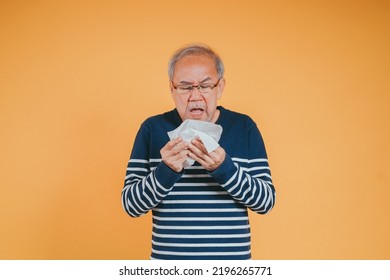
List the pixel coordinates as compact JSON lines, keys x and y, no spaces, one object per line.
{"x":193,"y":70}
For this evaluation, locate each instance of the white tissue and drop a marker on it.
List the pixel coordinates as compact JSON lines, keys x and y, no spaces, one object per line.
{"x":209,"y":133}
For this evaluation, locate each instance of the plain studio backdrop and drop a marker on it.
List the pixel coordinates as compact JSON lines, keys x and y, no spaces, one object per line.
{"x":77,"y":78}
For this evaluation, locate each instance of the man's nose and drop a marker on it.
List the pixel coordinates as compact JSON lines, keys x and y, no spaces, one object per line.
{"x":195,"y":94}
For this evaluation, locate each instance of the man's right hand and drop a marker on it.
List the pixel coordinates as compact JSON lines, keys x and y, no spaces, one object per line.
{"x":175,"y":153}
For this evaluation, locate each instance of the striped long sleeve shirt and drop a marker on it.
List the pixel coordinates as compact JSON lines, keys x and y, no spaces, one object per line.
{"x":199,"y":214}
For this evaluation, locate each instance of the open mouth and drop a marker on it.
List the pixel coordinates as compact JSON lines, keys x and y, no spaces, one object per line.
{"x":196,"y":112}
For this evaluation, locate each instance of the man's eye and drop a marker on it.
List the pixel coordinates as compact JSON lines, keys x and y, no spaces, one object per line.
{"x":205,"y":86}
{"x":186,"y":88}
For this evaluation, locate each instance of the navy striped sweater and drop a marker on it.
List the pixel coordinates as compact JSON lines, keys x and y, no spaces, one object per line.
{"x":199,"y":214}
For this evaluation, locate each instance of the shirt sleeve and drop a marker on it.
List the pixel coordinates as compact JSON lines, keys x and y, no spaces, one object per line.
{"x":147,"y":180}
{"x":249,"y":180}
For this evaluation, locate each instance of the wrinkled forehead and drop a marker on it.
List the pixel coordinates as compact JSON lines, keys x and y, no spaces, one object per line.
{"x":195,"y":68}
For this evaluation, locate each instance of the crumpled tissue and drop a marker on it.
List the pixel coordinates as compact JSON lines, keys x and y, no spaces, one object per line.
{"x":209,"y":133}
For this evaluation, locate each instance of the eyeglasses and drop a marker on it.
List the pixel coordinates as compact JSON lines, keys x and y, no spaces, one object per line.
{"x":202,"y":88}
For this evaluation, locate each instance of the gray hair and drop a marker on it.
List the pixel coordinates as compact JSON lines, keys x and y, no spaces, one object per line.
{"x":197,"y":49}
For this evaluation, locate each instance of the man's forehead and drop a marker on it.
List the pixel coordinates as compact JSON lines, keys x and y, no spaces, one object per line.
{"x":196,"y":58}
{"x":199,"y":68}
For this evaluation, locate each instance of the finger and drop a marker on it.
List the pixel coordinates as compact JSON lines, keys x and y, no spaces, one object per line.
{"x":168,"y":150}
{"x":198,"y":147}
{"x":196,"y":151}
{"x":182,"y":146}
{"x":197,"y":158}
{"x":179,"y":159}
{"x":202,"y":157}
{"x":176,"y":161}
{"x":199,"y":144}
{"x":214,"y":157}
{"x":173,"y":143}
{"x":181,"y":155}
{"x":173,"y":147}
{"x":205,"y":162}
{"x":176,"y":141}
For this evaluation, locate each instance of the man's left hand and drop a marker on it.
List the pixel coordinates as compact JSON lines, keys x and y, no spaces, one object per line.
{"x":210,"y":161}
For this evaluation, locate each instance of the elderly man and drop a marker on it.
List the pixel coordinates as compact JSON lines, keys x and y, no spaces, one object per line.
{"x":200,"y":210}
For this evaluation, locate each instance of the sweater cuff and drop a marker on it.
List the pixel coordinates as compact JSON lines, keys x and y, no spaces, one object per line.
{"x":166,"y":176}
{"x":225,"y":171}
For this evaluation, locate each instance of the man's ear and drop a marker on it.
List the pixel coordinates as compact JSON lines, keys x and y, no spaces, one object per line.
{"x":171,"y":88}
{"x":221,"y":87}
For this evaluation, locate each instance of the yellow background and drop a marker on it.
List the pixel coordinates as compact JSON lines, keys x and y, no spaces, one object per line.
{"x":78,"y":77}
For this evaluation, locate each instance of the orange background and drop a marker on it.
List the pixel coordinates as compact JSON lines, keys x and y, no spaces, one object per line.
{"x":78,"y":77}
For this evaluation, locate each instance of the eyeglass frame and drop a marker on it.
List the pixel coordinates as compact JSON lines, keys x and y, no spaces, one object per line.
{"x":198,"y":87}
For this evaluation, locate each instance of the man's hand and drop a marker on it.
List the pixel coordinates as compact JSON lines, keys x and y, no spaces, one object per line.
{"x":210,"y":161}
{"x":175,"y":153}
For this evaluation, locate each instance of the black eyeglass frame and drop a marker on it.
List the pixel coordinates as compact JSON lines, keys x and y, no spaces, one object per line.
{"x":200,"y":86}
